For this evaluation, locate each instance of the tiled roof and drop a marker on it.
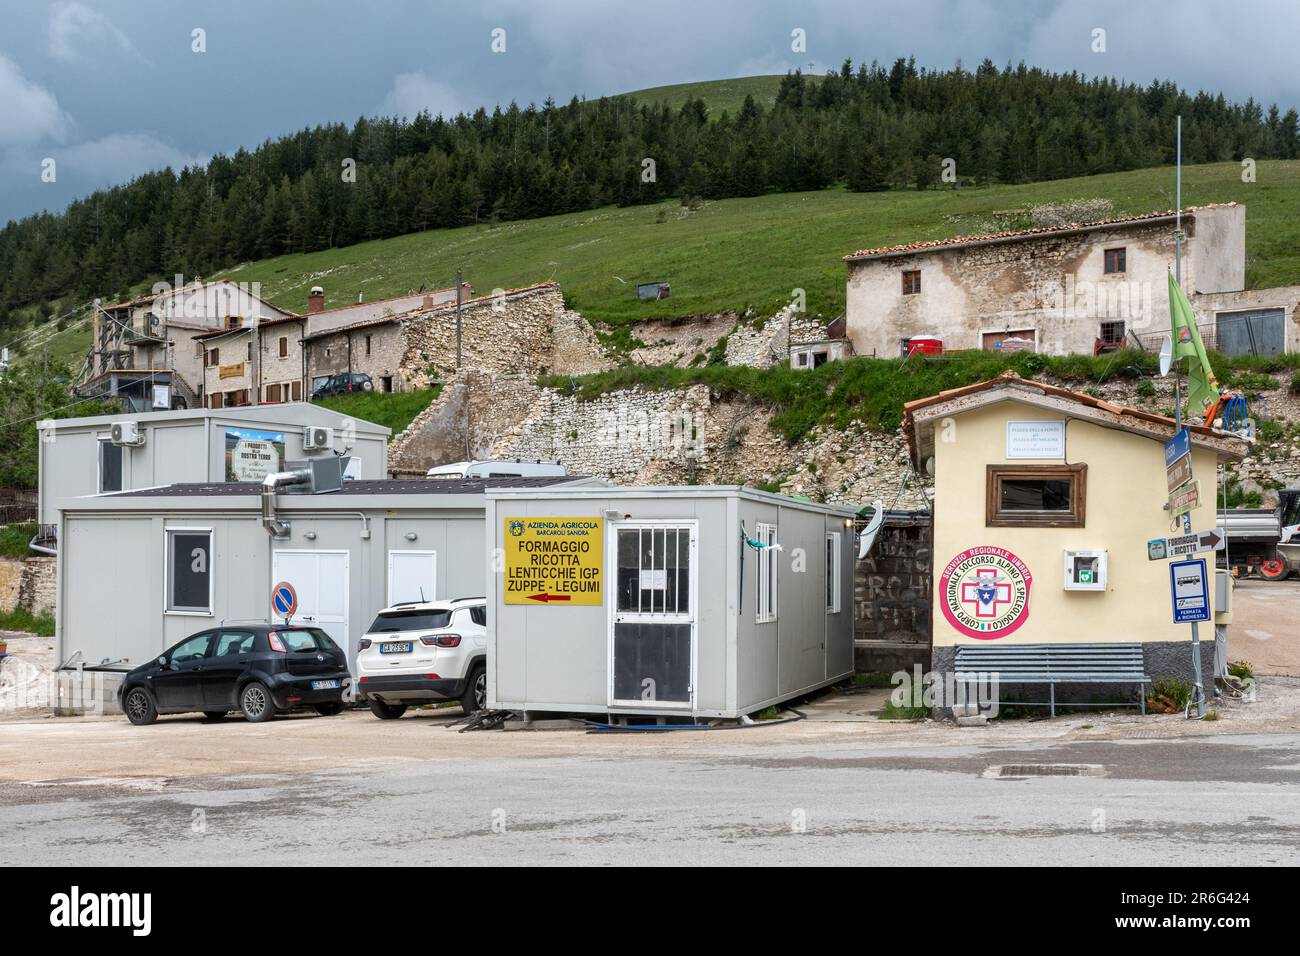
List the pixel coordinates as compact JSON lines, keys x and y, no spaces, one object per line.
{"x":1009,"y":377}
{"x":908,"y":248}
{"x":391,"y":298}
{"x":442,"y":307}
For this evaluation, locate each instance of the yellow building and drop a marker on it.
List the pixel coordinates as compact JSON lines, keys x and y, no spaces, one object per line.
{"x":1045,"y":501}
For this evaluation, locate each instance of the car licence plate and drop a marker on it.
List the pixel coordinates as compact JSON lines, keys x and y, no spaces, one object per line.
{"x":324,"y":685}
{"x":397,"y":647}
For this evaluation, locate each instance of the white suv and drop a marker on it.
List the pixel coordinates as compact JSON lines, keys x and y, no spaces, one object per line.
{"x":425,"y":651}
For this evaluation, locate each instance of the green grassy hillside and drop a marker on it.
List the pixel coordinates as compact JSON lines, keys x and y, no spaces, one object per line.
{"x":735,"y":253}
{"x":719,"y":95}
{"x":738,"y":253}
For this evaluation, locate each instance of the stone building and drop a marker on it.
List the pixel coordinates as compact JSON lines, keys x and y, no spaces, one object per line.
{"x":150,"y":350}
{"x":374,"y":347}
{"x":251,"y":364}
{"x":1080,"y":288}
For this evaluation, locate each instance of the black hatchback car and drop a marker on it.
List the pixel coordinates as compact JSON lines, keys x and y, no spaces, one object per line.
{"x":259,"y":669}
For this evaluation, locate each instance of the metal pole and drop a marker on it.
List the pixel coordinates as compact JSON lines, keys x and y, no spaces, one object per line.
{"x":458,"y":319}
{"x":1198,"y":687}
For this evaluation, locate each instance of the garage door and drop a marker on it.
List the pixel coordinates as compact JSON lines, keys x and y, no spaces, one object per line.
{"x":1256,"y":332}
{"x":321,"y":580}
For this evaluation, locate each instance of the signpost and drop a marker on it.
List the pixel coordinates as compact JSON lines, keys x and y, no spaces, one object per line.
{"x":1189,"y":591}
{"x":1183,"y":501}
{"x":284,"y":600}
{"x":1179,"y":473}
{"x":1183,"y":544}
{"x":554,"y":560}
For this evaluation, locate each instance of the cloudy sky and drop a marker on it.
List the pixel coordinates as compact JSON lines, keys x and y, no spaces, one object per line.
{"x":112,"y":88}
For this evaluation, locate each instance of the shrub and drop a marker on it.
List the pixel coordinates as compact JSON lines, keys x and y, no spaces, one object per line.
{"x":1178,"y":692}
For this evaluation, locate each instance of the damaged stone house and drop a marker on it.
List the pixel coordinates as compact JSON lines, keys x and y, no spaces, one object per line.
{"x":150,"y":352}
{"x":1074,"y":289}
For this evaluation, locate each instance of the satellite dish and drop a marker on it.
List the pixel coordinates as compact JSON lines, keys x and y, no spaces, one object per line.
{"x":1166,"y":355}
{"x":868,"y":536}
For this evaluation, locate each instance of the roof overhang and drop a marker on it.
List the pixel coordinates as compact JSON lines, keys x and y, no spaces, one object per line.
{"x":921,"y":417}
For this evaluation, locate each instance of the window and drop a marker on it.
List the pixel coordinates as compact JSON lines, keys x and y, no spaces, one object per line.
{"x":189,"y":571}
{"x":284,"y":346}
{"x":305,"y":639}
{"x":478,"y":614}
{"x":832,"y":572}
{"x":1049,"y":496}
{"x":367,"y":345}
{"x":801,"y":359}
{"x":273,"y":393}
{"x":765,"y":611}
{"x":1112,"y":333}
{"x":110,"y":466}
{"x":911,"y":281}
{"x":214,"y":357}
{"x":250,"y":351}
{"x":191,"y":650}
{"x":416,"y":620}
{"x":233,"y":642}
{"x":1115,"y":260}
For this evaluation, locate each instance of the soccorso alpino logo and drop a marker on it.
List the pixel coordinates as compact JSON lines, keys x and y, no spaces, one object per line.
{"x":984,"y":592}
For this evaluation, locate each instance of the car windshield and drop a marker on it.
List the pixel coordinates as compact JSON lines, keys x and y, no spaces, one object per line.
{"x":312,"y":639}
{"x":412,"y":620}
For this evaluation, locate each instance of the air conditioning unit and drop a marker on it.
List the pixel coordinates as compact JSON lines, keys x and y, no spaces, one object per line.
{"x":126,"y":433}
{"x":317,"y":438}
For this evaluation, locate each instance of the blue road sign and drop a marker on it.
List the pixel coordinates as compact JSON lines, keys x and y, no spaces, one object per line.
{"x":1177,"y":447}
{"x":284,"y":599}
{"x":1190,"y":591}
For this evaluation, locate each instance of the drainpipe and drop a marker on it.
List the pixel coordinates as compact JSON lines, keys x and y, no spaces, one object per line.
{"x":280,"y":479}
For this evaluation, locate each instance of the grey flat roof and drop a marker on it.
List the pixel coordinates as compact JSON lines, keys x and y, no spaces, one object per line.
{"x":677,"y":491}
{"x":372,"y":486}
{"x":289,"y":414}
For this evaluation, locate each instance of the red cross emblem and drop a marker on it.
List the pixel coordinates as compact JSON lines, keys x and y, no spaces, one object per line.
{"x":986,"y":592}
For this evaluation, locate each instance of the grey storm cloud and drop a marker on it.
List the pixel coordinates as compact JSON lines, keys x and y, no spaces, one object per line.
{"x":111,"y":89}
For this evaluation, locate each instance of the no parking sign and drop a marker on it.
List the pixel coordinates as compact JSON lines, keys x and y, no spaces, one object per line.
{"x":284,"y":600}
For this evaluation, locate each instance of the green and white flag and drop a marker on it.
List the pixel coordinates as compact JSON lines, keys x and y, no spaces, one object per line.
{"x":1202,"y":388}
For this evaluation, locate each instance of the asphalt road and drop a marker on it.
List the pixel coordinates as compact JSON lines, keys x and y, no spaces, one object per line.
{"x":1229,"y":799}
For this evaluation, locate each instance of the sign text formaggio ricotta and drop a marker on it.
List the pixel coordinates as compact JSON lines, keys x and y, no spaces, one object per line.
{"x":554,"y":560}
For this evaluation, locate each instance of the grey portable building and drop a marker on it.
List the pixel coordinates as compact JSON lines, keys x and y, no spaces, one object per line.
{"x":700,"y":614}
{"x":139,"y":570}
{"x":185,"y":445}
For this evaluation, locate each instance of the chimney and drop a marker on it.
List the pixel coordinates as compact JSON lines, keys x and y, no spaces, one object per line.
{"x":316,"y":300}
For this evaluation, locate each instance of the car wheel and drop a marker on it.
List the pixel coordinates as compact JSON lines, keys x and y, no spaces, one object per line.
{"x":139,"y":707}
{"x":474,"y":697}
{"x":255,"y":701}
{"x":387,"y":711}
{"x":214,"y":715}
{"x":329,"y":710}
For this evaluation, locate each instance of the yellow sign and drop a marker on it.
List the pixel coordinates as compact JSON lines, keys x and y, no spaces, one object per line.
{"x":554,"y":560}
{"x":234,"y":370}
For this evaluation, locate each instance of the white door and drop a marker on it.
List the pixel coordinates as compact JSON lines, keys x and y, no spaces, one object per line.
{"x":321,"y":580}
{"x":652,"y":619}
{"x":412,"y":576}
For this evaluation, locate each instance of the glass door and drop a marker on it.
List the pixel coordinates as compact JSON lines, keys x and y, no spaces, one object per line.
{"x":652,"y":636}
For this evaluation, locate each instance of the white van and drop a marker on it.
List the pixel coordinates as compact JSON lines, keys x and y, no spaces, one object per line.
{"x":498,"y":469}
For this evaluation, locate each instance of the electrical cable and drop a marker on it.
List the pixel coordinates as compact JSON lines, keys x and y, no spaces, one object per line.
{"x":603,"y":728}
